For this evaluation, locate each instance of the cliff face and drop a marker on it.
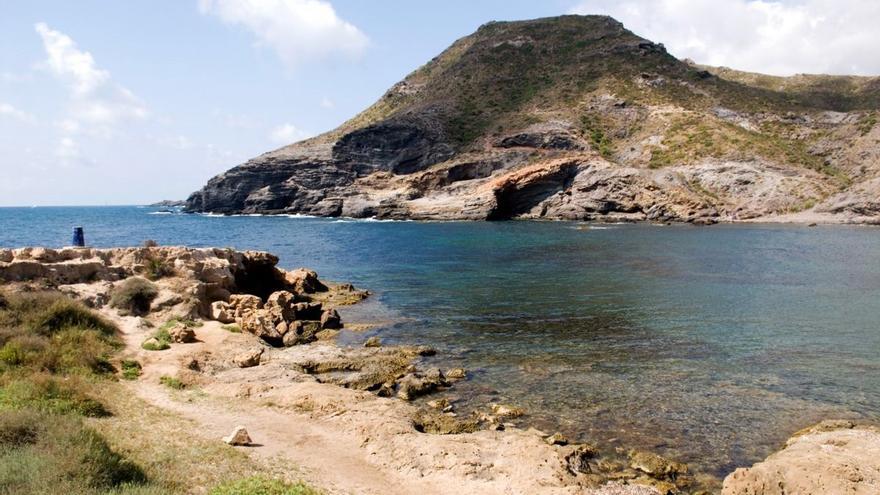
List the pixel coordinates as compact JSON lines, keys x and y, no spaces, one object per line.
{"x":577,"y":118}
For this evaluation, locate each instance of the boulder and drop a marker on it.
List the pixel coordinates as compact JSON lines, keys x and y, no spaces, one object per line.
{"x":373,"y":342}
{"x":577,"y":460}
{"x":456,"y":374}
{"x":281,"y":304}
{"x":300,"y":332}
{"x":242,"y":303}
{"x":239,"y":436}
{"x":415,"y":385}
{"x":656,"y":466}
{"x":261,"y":324}
{"x":249,"y":358}
{"x":222,"y":312}
{"x":330,"y":319}
{"x":304,"y":281}
{"x":556,"y":439}
{"x":182,"y":334}
{"x":504,"y":411}
{"x":307,"y":311}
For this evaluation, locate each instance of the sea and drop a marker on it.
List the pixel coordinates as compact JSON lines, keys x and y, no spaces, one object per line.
{"x":710,"y":345}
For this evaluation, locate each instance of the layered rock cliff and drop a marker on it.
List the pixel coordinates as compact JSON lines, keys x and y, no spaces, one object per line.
{"x":575,"y":117}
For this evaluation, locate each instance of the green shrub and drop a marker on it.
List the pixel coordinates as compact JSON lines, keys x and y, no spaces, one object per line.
{"x":232,"y":327}
{"x":43,"y":392}
{"x":134,"y":295}
{"x":260,"y":485}
{"x":131,"y":369}
{"x":19,"y":427}
{"x":65,"y":313}
{"x":171,"y":382}
{"x":187,"y":322}
{"x":157,"y":269}
{"x":46,"y":453}
{"x":158,"y":341}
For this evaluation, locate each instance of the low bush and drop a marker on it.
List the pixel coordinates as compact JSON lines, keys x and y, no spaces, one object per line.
{"x":47,"y":393}
{"x":158,"y":341}
{"x":134,"y":295}
{"x":232,"y":327}
{"x":157,"y":269}
{"x":260,"y":485}
{"x":131,"y":369}
{"x":46,"y":453}
{"x":171,"y":382}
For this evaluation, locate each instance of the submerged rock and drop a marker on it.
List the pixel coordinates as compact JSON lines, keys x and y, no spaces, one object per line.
{"x":417,"y":384}
{"x":556,"y":439}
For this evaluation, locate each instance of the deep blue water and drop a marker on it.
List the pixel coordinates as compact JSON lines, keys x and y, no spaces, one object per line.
{"x":711,"y":344}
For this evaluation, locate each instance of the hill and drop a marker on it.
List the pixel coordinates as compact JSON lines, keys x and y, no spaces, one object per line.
{"x":575,"y":117}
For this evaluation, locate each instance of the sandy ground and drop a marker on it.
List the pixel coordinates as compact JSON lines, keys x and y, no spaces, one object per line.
{"x":343,"y":440}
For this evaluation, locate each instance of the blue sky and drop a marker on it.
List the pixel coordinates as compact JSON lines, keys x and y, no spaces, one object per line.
{"x":106,"y":102}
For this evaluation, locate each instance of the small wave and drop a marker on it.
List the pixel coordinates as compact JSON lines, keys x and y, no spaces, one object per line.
{"x":161,"y":213}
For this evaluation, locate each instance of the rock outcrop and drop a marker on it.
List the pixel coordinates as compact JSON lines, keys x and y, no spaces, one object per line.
{"x":577,"y":118}
{"x":282,"y":307}
{"x":831,"y":458}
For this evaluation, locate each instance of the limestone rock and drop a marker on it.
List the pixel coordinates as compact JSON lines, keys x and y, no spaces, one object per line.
{"x":182,"y":334}
{"x":243,"y":303}
{"x":221,"y":311}
{"x":577,"y":460}
{"x":456,"y":374}
{"x":307,"y":311}
{"x":330,"y":319}
{"x":417,"y":384}
{"x":556,"y":439}
{"x":304,"y":281}
{"x":239,"y":436}
{"x":248,"y":359}
{"x":261,"y":324}
{"x":656,"y":466}
{"x":373,"y":342}
{"x":504,"y":411}
{"x":832,"y":458}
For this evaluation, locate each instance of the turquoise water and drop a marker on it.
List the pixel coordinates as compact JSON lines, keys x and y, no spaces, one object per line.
{"x":710,"y":344}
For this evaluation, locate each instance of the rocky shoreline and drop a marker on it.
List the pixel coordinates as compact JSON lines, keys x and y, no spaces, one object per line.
{"x":249,"y":343}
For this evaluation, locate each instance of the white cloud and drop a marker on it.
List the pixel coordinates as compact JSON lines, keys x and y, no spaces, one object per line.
{"x":774,"y":37}
{"x":288,"y":133}
{"x":96,"y":102}
{"x":7,"y":110}
{"x":298,"y":30}
{"x":67,"y":151}
{"x":327,"y":103}
{"x":178,"y":142}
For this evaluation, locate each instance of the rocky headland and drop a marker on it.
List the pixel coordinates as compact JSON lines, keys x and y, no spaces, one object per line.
{"x":225,"y":339}
{"x":577,"y":118}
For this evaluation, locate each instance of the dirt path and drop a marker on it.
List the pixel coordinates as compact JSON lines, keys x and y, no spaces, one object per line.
{"x":342,"y":440}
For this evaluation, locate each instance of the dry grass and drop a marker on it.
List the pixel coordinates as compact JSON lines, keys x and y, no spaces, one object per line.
{"x":165,"y":446}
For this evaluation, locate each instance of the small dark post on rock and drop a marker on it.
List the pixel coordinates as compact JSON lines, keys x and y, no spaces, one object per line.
{"x":79,"y":238}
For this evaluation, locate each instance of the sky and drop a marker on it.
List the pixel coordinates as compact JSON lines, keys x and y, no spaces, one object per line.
{"x":107,"y":102}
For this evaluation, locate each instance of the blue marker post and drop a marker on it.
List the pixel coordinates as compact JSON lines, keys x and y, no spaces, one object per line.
{"x":79,"y":238}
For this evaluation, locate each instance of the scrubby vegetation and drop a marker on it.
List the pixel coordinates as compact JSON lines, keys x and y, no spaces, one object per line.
{"x":131,"y":369}
{"x":159,"y":341}
{"x":232,"y":327}
{"x":54,"y":354}
{"x":259,"y":485}
{"x":134,"y":295}
{"x":54,"y":378}
{"x":172,"y":382}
